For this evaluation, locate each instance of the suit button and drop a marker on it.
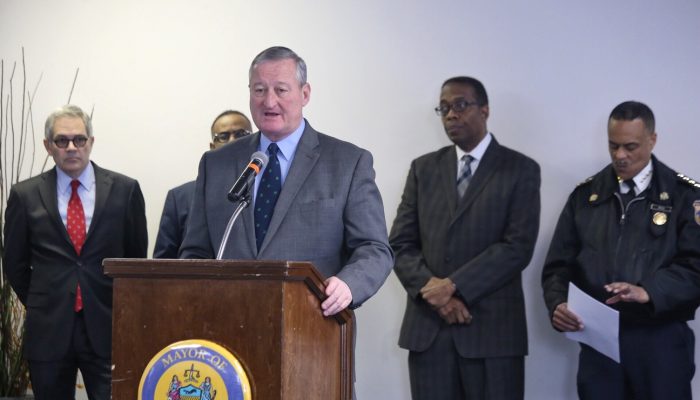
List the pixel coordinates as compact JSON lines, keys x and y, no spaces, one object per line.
{"x":80,"y":263}
{"x":447,"y":259}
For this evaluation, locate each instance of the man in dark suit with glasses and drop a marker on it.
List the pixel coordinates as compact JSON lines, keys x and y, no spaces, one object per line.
{"x":226,"y":128}
{"x":59,"y":226}
{"x":464,"y":231}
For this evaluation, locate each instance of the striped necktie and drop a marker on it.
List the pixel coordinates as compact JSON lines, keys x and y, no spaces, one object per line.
{"x":464,"y":175}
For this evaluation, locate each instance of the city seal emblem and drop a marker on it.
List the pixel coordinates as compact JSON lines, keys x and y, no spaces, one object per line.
{"x":194,"y":370}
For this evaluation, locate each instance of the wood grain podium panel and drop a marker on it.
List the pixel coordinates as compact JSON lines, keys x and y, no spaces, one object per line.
{"x":267,"y":313}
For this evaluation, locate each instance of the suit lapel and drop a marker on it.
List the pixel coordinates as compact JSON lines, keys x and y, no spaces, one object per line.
{"x":103,"y":186}
{"x":247,"y":215}
{"x":487,"y":166}
{"x":49,"y":197}
{"x":305,"y":158}
{"x":447,"y":169}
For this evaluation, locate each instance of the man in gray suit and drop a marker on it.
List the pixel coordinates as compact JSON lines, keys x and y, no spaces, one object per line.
{"x":465,"y":229}
{"x":316,"y":200}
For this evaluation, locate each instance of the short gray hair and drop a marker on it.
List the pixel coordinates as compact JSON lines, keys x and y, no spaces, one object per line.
{"x":277,"y":53}
{"x":70,"y":111}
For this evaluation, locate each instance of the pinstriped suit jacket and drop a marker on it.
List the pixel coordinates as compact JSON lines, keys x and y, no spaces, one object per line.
{"x":482,"y":243}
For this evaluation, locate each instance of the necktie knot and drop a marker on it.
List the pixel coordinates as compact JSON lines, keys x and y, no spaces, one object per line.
{"x":272,"y":149}
{"x":74,"y":185}
{"x":630,"y":184}
{"x":467,"y":166}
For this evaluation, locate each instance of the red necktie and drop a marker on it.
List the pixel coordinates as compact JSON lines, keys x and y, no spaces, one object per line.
{"x":75,"y":224}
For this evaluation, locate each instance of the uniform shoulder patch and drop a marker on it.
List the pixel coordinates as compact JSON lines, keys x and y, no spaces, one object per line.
{"x":688,"y":180}
{"x":590,"y":178}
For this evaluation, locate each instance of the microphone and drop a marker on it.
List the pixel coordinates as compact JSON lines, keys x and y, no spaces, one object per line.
{"x":241,"y":189}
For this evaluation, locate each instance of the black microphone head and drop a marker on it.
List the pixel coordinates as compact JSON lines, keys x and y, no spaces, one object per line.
{"x":261,"y":159}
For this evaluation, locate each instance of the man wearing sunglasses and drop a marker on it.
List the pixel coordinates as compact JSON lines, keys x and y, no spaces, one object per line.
{"x":227,"y":127}
{"x":464,"y":231}
{"x":59,"y":226}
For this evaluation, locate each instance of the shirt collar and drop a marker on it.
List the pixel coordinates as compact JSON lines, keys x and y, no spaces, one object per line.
{"x":478,"y":152}
{"x":86,"y":178}
{"x":288,"y":145}
{"x":643,"y":178}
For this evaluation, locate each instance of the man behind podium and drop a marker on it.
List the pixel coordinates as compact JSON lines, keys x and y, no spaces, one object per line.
{"x":324,"y":206}
{"x":226,"y":128}
{"x":59,"y":226}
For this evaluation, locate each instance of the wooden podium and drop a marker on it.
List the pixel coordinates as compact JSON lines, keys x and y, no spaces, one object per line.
{"x":267,"y":313}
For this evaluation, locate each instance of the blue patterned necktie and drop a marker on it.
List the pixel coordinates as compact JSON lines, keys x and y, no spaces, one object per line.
{"x":268,"y":192}
{"x":464,"y":176}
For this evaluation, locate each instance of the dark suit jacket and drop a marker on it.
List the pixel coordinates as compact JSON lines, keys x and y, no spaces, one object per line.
{"x":44,"y":269}
{"x":482,"y":243}
{"x":329,"y":212}
{"x":173,"y":221}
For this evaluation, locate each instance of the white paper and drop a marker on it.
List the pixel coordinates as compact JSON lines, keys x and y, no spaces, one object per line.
{"x":601,"y":324}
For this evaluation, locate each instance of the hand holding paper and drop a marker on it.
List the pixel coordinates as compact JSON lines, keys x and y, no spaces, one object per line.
{"x":602,"y":323}
{"x":565,"y":320}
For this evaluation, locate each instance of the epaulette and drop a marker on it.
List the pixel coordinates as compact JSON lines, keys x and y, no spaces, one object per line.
{"x":590,"y":178}
{"x":688,"y":180}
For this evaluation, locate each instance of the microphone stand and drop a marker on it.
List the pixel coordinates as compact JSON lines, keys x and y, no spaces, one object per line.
{"x":241,"y":205}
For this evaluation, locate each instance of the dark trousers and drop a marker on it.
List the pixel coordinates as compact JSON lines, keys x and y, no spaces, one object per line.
{"x":55,"y":380}
{"x":440,"y":373}
{"x":657,"y":363}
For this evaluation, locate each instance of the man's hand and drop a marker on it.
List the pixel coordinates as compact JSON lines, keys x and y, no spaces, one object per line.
{"x":455,"y":312}
{"x":565,"y":320}
{"x":339,"y":296}
{"x":627,"y":292}
{"x":437,"y":292}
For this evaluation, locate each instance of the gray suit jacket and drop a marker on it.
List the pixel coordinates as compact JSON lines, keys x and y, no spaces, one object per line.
{"x":44,"y":269}
{"x":329,"y":212}
{"x":482,"y":243}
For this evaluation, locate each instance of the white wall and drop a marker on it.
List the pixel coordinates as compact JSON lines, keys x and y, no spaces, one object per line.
{"x":157,"y":72}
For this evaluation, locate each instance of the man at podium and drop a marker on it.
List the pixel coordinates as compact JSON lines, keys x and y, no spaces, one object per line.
{"x":315,"y":200}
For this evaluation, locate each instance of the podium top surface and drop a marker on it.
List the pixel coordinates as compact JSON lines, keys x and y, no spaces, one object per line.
{"x":269,"y":270}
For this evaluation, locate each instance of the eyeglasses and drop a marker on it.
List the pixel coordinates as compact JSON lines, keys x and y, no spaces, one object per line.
{"x":78,"y":141}
{"x":224,"y":137}
{"x":458,"y":106}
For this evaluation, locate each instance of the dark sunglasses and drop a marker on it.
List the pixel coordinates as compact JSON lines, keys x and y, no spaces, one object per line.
{"x":224,"y":137}
{"x":78,"y":141}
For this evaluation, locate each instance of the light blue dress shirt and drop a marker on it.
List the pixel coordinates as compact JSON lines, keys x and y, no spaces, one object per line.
{"x":285,"y":155}
{"x":86,"y":191}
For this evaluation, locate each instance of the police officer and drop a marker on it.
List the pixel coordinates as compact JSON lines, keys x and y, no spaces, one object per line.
{"x":630,"y":237}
